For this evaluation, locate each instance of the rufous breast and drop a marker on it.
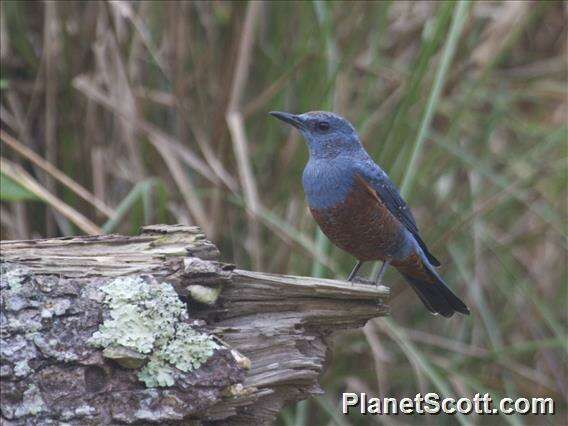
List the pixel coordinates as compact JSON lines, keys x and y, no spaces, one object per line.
{"x":361,"y":224}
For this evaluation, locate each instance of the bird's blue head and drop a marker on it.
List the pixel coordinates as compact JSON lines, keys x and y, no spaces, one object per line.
{"x":327,"y":134}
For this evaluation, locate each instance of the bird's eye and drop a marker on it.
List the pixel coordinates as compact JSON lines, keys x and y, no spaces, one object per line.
{"x":322,"y":125}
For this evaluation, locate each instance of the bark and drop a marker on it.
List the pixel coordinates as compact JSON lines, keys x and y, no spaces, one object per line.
{"x":272,"y":331}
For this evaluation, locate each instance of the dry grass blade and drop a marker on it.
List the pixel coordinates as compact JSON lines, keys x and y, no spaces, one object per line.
{"x":188,"y":191}
{"x":18,"y":174}
{"x":236,"y":127}
{"x":471,"y":351}
{"x":156,"y":136}
{"x":4,"y":39}
{"x":378,"y":115}
{"x":505,"y":20}
{"x":56,"y":173}
{"x":168,"y":148}
{"x":243,"y":59}
{"x":125,"y":10}
{"x":216,"y":165}
{"x":115,"y":76}
{"x":240,"y":146}
{"x":377,"y":351}
{"x":268,"y":93}
{"x":459,"y":19}
{"x":51,"y":53}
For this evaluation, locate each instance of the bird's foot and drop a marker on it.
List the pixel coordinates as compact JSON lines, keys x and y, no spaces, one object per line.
{"x":381,"y":272}
{"x":353,"y":274}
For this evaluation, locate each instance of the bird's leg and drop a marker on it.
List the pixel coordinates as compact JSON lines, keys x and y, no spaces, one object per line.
{"x":381,"y":272}
{"x":354,"y":271}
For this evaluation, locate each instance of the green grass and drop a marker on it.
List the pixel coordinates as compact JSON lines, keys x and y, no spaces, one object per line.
{"x":462,"y":103}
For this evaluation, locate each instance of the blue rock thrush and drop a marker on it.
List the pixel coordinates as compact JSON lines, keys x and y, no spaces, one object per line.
{"x":360,"y":210}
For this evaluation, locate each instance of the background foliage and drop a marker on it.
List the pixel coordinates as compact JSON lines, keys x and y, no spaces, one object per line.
{"x":118,"y":114}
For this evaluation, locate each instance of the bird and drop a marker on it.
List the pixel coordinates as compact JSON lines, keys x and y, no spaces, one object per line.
{"x":361,"y":211}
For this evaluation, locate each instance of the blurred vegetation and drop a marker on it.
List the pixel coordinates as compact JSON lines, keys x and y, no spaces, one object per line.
{"x":119,"y":114}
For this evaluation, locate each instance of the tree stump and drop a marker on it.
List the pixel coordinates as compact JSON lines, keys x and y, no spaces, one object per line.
{"x":154,"y":329}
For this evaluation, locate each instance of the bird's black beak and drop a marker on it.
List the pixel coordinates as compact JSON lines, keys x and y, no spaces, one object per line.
{"x":292,"y":119}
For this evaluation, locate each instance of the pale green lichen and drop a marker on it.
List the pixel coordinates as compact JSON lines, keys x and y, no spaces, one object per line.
{"x":79,"y":412}
{"x":189,"y":349}
{"x":157,"y":373}
{"x":32,"y":402}
{"x":22,"y":369}
{"x":12,"y":278}
{"x":149,"y":318}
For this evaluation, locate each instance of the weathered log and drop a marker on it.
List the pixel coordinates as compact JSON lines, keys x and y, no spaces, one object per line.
{"x":92,"y":335}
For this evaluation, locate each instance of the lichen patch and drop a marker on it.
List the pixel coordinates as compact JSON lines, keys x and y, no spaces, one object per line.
{"x":11,"y":278}
{"x":149,"y":318}
{"x":32,"y":403}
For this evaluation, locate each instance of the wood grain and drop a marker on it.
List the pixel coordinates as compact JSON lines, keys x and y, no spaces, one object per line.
{"x":275,"y":329}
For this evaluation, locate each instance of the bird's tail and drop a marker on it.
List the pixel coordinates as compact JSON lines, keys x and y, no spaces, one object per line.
{"x":431,"y":289}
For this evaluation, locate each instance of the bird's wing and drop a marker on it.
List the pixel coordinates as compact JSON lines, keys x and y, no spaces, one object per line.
{"x":389,"y":195}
